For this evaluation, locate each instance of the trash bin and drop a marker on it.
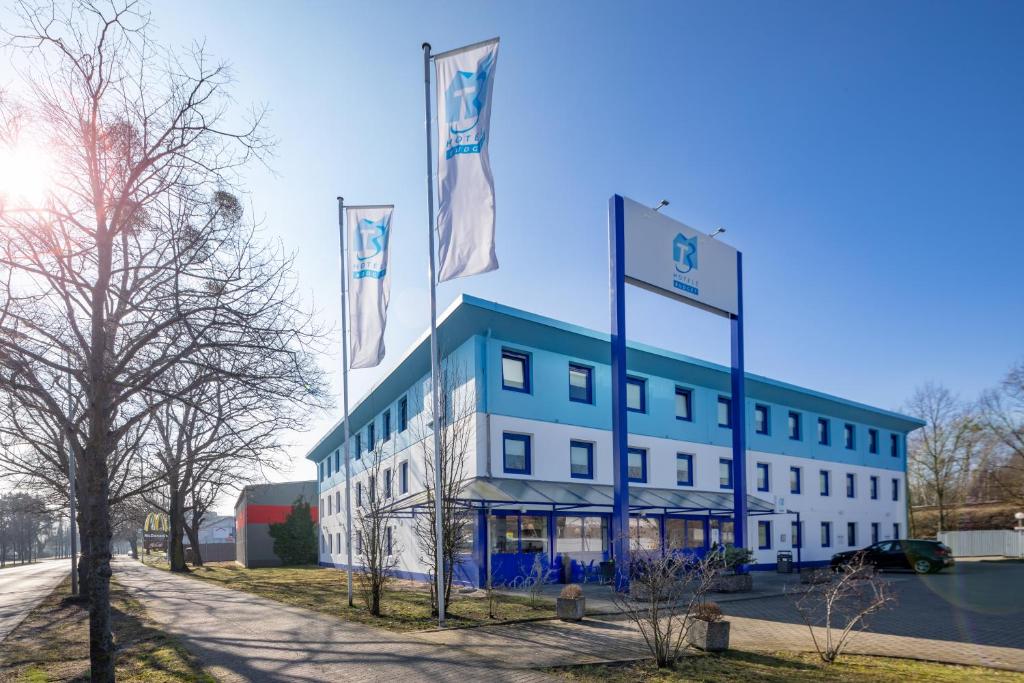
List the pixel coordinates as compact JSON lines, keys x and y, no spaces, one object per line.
{"x":607,"y":571}
{"x":784,"y":562}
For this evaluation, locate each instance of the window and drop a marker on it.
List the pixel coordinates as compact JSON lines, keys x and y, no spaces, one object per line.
{"x":684,"y":469}
{"x":585,"y":538}
{"x":337,"y":503}
{"x":581,"y":460}
{"x":848,"y":433}
{"x":328,"y":461}
{"x":684,"y":404}
{"x":851,"y":485}
{"x":517,"y":453}
{"x":725,"y":473}
{"x":796,"y":529}
{"x":403,"y":478}
{"x":371,"y":436}
{"x":636,"y":394}
{"x":330,"y":543}
{"x":872,"y":441}
{"x":387,"y":484}
{"x":358,"y":445}
{"x":894,"y":445}
{"x":339,"y":541}
{"x":826,"y":534}
{"x":359,"y":494}
{"x":637,"y":464}
{"x":825,"y":480}
{"x":519,"y":534}
{"x":851,"y":534}
{"x":895,"y":489}
{"x":581,"y":383}
{"x":874,"y":488}
{"x":321,"y":471}
{"x":329,"y":502}
{"x":794,"y":480}
{"x":323,"y":545}
{"x":762,"y":476}
{"x":385,"y":425}
{"x":823,"y":431}
{"x":764,"y":534}
{"x":794,"y":425}
{"x":359,"y":542}
{"x":403,"y":414}
{"x":515,"y":371}
{"x":371,"y":489}
{"x":896,"y":530}
{"x":337,"y":460}
{"x":724,"y":411}
{"x":682,"y":534}
{"x":387,"y":541}
{"x":874,"y":532}
{"x":761,"y":419}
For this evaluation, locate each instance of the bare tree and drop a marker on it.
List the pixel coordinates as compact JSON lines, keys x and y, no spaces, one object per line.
{"x":840,"y":603}
{"x":1002,"y":411}
{"x":664,"y":591}
{"x":457,"y":434}
{"x":374,"y":522}
{"x":139,"y":260}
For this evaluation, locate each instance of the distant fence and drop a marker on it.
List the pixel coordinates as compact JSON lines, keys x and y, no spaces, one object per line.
{"x":1000,"y":543}
{"x":214,"y":552}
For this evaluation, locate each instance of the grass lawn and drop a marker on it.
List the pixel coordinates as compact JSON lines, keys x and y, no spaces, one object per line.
{"x":785,"y":667}
{"x":52,"y":644}
{"x":406,"y":607}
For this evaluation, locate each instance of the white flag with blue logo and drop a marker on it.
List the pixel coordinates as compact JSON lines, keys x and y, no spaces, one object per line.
{"x":369,"y":282}
{"x":465,"y":209}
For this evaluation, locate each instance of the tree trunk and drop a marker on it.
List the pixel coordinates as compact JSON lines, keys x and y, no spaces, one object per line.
{"x":134,"y":545}
{"x":175,"y":546}
{"x":193,"y":538}
{"x":84,"y":556}
{"x":101,"y":641}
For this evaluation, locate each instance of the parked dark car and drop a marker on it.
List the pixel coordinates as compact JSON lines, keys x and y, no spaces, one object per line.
{"x":923,"y":557}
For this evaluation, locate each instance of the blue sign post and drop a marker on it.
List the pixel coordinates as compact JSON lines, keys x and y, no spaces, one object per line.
{"x":684,"y":252}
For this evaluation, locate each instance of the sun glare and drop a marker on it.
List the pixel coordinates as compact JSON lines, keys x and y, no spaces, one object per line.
{"x":25,"y":175}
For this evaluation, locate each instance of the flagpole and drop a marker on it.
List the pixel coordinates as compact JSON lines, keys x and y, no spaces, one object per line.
{"x":344,"y":391}
{"x":435,"y":371}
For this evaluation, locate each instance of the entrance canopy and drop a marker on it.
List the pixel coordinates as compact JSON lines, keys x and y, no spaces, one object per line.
{"x":513,"y":494}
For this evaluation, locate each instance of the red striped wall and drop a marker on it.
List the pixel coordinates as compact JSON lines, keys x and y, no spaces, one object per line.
{"x":270,"y":514}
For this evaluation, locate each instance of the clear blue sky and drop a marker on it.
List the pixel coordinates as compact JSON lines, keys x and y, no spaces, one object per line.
{"x":865,"y":157}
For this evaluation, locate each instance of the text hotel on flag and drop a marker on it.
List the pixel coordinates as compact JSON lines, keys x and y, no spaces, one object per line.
{"x":369,"y":232}
{"x":465,"y":210}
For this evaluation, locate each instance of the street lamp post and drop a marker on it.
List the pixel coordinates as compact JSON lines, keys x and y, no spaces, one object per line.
{"x":1019,"y":516}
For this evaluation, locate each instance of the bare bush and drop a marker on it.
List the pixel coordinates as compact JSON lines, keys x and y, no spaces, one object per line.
{"x":374,"y":522}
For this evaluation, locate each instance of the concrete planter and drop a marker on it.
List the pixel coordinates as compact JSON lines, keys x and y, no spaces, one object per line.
{"x":732,"y":583}
{"x":570,"y":609}
{"x":710,"y":636}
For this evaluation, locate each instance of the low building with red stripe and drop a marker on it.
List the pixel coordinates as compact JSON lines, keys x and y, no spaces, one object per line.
{"x":258,"y":507}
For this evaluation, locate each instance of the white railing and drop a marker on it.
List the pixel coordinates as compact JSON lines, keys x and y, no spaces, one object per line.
{"x":996,"y":543}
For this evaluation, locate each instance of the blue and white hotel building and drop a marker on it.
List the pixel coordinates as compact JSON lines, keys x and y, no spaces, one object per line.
{"x":823,"y":473}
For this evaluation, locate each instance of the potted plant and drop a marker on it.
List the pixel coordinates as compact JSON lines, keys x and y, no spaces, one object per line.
{"x":733,"y":577}
{"x":571,"y":605}
{"x":708,"y":630}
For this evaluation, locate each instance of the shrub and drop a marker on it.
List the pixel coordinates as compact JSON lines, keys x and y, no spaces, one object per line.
{"x":295,"y":539}
{"x":571,"y":592}
{"x":734,"y":557}
{"x":708,"y":611}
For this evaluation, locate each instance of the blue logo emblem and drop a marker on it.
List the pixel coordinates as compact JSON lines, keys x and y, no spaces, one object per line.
{"x":370,"y":241}
{"x":464,"y":100}
{"x":684,"y":252}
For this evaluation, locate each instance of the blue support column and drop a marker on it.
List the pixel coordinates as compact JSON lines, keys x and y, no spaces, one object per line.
{"x":620,"y":434}
{"x":739,"y":417}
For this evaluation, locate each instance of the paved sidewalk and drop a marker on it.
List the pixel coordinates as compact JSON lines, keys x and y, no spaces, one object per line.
{"x":242,"y":637}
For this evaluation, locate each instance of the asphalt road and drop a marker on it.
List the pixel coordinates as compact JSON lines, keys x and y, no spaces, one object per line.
{"x":24,"y":587}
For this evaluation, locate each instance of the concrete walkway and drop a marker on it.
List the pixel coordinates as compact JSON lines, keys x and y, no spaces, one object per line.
{"x":242,"y":637}
{"x":23,"y":587}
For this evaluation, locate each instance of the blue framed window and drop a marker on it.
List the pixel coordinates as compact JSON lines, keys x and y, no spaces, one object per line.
{"x":371,"y":436}
{"x":516,"y":453}
{"x":581,"y":460}
{"x":794,"y":479}
{"x":826,"y":534}
{"x":797,"y":531}
{"x":894,"y":445}
{"x":359,"y":494}
{"x":403,"y":414}
{"x":637,"y":464}
{"x":762,"y":476}
{"x":825,"y":480}
{"x":761,"y":419}
{"x":684,"y":469}
{"x":895,"y":489}
{"x":636,"y":394}
{"x":403,"y":478}
{"x":794,"y":425}
{"x":581,"y":383}
{"x":385,"y":425}
{"x":851,"y":485}
{"x":848,"y":436}
{"x":851,"y":534}
{"x":684,"y":404}
{"x":359,"y":542}
{"x":387,"y":483}
{"x":896,"y":530}
{"x":724,"y":411}
{"x":725,"y":473}
{"x":872,"y":441}
{"x":321,"y":471}
{"x":515,"y":371}
{"x":387,"y":541}
{"x":327,"y":461}
{"x":358,"y":444}
{"x":824,"y":429}
{"x":874,"y":488}
{"x":764,"y":534}
{"x":337,"y":460}
{"x":874,"y":532}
